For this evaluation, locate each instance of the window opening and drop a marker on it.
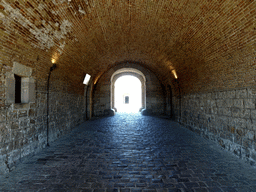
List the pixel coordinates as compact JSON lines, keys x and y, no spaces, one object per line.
{"x":17,"y":89}
{"x":126,"y":100}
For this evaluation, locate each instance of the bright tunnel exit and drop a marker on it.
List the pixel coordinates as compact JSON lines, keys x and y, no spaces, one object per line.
{"x":128,"y":94}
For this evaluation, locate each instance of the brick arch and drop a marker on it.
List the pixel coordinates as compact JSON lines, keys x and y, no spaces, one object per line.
{"x":102,"y":101}
{"x":133,"y":72}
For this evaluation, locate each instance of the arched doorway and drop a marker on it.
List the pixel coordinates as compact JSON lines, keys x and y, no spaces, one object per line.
{"x":127,"y":94}
{"x":128,"y":72}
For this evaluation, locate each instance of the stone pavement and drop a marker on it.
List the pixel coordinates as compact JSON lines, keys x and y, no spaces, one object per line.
{"x":131,"y":153}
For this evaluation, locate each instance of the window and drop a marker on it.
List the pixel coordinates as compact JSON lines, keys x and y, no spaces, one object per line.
{"x":17,"y":88}
{"x":126,"y":99}
{"x":20,"y":85}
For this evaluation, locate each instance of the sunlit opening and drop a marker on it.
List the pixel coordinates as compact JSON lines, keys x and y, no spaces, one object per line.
{"x":128,"y":94}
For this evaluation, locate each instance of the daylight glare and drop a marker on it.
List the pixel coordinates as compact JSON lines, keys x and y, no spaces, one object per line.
{"x":128,"y":94}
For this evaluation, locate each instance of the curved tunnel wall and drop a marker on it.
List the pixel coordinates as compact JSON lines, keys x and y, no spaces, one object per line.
{"x":210,"y":44}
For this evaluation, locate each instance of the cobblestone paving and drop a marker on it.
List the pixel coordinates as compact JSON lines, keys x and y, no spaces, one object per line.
{"x":131,"y":153}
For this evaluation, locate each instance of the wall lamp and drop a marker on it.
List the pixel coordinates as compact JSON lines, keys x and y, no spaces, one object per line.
{"x":53,"y":61}
{"x":175,"y":74}
{"x":87,"y":79}
{"x":53,"y":67}
{"x":48,"y":85}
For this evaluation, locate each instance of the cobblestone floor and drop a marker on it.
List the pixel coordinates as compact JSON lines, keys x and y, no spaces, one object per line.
{"x":131,"y":153}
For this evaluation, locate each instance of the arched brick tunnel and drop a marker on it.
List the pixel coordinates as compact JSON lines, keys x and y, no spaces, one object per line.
{"x":198,"y":58}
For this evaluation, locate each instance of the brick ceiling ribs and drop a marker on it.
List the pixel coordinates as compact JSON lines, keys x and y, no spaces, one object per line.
{"x":210,"y":43}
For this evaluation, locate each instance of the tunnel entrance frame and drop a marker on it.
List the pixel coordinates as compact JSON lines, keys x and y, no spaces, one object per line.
{"x":123,"y":72}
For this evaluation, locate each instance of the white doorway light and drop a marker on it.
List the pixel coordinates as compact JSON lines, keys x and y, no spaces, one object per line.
{"x":128,"y":94}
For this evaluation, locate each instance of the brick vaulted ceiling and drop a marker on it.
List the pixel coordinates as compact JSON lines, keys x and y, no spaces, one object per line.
{"x":210,"y":43}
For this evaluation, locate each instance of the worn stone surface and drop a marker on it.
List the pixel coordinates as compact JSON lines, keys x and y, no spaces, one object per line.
{"x":228,"y":119}
{"x":25,"y":124}
{"x":131,"y":152}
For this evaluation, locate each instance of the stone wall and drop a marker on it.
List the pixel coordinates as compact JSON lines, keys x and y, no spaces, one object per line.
{"x":227,"y":117}
{"x":155,"y":98}
{"x":65,"y":112}
{"x":23,"y":126}
{"x":101,"y":97}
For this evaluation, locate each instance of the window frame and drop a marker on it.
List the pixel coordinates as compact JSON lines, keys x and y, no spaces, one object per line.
{"x":20,"y":85}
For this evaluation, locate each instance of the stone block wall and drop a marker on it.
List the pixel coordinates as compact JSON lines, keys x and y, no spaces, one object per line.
{"x":23,"y":126}
{"x":227,"y":117}
{"x":155,"y":98}
{"x":65,"y":112}
{"x":101,"y":97}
